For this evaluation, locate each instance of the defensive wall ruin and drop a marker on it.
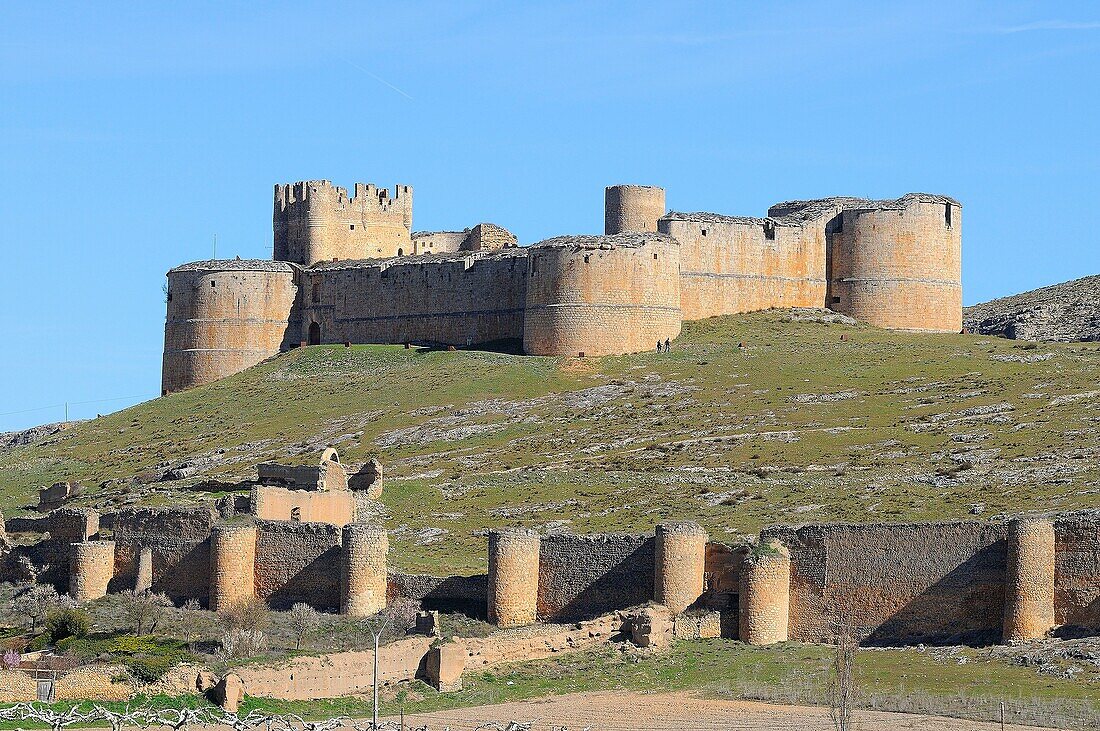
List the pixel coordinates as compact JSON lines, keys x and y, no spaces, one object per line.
{"x":349,"y":269}
{"x":955,"y":582}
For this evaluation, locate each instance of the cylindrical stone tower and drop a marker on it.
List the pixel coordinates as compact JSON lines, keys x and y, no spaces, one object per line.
{"x":765,"y":596}
{"x":602,"y":295}
{"x":232,"y":565}
{"x":363,"y":580}
{"x":1029,"y":580}
{"x":91,"y":568}
{"x":680,"y":551}
{"x":223,"y":317}
{"x":899,"y":264}
{"x":513,"y":576}
{"x":143,"y":578}
{"x":632,"y":208}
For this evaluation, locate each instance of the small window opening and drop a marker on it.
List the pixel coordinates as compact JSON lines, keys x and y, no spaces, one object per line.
{"x":212,"y":283}
{"x":296,"y":514}
{"x":654,"y":257}
{"x":703,"y":231}
{"x":400,"y":252}
{"x":834,"y":300}
{"x":352,"y":227}
{"x":947,"y":214}
{"x":586,"y":258}
{"x":769,"y":231}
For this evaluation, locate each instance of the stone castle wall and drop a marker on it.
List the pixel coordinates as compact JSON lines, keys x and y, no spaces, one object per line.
{"x":1077,"y":570}
{"x":298,"y":562}
{"x":602,"y":295}
{"x":460,"y":299}
{"x":317,"y":221}
{"x":179,"y":539}
{"x":582,"y":576}
{"x":899,"y":266}
{"x":223,"y":317}
{"x":730,"y":265}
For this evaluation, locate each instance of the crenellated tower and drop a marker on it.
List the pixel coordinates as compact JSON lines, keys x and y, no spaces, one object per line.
{"x":317,"y":221}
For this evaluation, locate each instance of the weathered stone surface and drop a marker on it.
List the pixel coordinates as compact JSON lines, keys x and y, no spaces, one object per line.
{"x":228,"y":693}
{"x":1065,"y":312}
{"x":445,"y":664}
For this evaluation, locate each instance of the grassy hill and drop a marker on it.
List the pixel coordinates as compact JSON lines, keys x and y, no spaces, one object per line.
{"x":809,"y":421}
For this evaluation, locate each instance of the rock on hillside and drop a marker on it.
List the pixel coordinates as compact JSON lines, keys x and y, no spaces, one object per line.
{"x":1064,"y":312}
{"x":13,"y":439}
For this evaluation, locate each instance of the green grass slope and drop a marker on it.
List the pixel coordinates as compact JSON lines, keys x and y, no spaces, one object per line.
{"x":807,"y":422}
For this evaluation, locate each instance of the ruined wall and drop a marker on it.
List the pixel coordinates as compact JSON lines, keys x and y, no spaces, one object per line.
{"x":730,"y":265}
{"x":308,"y":506}
{"x":438,"y":242}
{"x":298,"y":562}
{"x":233,"y":553}
{"x":602,"y":295}
{"x":900,"y":584}
{"x":465,"y":594}
{"x":317,"y":221}
{"x":765,"y":596}
{"x":179,"y":540}
{"x":899,"y":264}
{"x":329,"y":475}
{"x":581,"y":576}
{"x":1029,"y":580}
{"x":632,"y":208}
{"x":458,"y":299}
{"x":1077,"y":571}
{"x":489,"y":237}
{"x":223,"y":317}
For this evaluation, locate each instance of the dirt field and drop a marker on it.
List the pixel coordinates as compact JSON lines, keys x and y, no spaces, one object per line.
{"x":623,"y":711}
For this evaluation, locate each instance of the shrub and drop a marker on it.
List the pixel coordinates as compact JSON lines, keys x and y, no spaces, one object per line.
{"x":65,"y":623}
{"x":248,"y":615}
{"x":40,"y":642}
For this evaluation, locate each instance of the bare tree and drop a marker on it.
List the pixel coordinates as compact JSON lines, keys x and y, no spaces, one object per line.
{"x":842,"y":679}
{"x":143,"y":610}
{"x":303,"y":620}
{"x":35,"y":602}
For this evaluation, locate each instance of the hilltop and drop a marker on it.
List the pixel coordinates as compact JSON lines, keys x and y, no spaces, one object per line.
{"x":1064,"y":312}
{"x":775,"y":417}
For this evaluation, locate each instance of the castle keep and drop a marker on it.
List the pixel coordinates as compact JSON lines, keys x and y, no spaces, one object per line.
{"x":349,"y":268}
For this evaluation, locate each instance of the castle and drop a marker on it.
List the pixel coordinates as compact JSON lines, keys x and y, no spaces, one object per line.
{"x":349,"y":269}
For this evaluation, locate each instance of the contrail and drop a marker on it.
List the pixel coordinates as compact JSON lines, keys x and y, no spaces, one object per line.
{"x":380,"y":80}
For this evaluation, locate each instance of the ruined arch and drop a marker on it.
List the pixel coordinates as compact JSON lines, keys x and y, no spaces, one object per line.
{"x":314,"y":333}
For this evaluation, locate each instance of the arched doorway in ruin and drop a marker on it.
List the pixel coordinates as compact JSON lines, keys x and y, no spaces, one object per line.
{"x":314,"y":333}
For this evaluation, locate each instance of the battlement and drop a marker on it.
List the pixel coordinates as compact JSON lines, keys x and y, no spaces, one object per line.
{"x":314,"y":220}
{"x":324,"y":193}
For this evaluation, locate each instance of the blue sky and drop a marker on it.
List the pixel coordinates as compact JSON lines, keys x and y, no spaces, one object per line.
{"x":131,"y":134}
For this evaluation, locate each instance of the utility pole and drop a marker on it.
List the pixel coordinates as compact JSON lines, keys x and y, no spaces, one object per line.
{"x":66,"y":412}
{"x":1002,"y":716}
{"x":215,"y":246}
{"x":377,"y":638}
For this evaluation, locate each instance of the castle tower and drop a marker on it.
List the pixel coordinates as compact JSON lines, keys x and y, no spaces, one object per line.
{"x":1029,"y":580}
{"x":632,"y":208}
{"x":601,"y":295}
{"x":225,"y":316}
{"x":898,"y":264}
{"x":765,"y":595}
{"x":316,"y":221}
{"x":91,"y":568}
{"x":680,"y":552}
{"x":363,"y":580}
{"x":513,"y":576}
{"x":232,"y":565}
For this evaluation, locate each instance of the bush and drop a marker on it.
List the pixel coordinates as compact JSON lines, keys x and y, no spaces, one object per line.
{"x":40,"y":642}
{"x":65,"y":623}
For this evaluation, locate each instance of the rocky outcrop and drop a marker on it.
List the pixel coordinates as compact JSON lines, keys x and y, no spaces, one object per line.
{"x":1065,"y":312}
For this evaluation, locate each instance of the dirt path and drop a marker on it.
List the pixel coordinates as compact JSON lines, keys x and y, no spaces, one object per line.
{"x":683,"y":711}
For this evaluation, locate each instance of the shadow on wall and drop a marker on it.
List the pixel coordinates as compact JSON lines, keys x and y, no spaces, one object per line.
{"x":956,"y":610}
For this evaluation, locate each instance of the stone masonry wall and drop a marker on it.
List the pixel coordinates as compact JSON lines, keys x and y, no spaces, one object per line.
{"x":223,"y":317}
{"x":602,"y":295}
{"x":298,"y":562}
{"x":583,"y":576}
{"x":1077,"y":571}
{"x":728,"y":265}
{"x":179,"y":539}
{"x":632,"y":208}
{"x":899,"y":584}
{"x":310,"y":506}
{"x":458,"y":299}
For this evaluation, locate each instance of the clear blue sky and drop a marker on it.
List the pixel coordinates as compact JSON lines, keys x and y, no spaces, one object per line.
{"x":129,"y":136}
